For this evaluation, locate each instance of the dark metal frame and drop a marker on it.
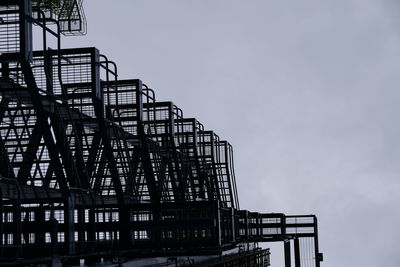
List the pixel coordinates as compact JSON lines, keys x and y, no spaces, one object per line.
{"x":92,"y":166}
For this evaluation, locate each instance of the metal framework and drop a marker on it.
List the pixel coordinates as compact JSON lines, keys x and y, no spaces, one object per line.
{"x":95,"y":167}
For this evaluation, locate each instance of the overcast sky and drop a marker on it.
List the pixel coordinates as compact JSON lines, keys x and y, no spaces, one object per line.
{"x":305,"y":90}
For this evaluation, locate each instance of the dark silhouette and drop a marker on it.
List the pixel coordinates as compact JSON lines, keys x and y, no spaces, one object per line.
{"x":95,"y":168}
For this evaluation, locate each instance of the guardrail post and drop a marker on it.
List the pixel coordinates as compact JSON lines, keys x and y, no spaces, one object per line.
{"x":288,"y":262}
{"x":25,"y":11}
{"x":296,"y":252}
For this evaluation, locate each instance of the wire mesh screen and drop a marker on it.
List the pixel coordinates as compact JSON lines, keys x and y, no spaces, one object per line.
{"x":9,"y":29}
{"x":307,"y":252}
{"x":122,"y":105}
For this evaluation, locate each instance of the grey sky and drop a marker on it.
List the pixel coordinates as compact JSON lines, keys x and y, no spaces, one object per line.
{"x":306,"y":91}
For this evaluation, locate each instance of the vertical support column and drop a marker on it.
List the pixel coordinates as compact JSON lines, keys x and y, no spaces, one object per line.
{"x":17,"y":221}
{"x":91,"y":229}
{"x":318,"y":256}
{"x":69,"y":221}
{"x":259,"y":227}
{"x":233,"y":225}
{"x":81,"y":222}
{"x":246,"y":221}
{"x":124,"y":229}
{"x":288,"y":262}
{"x":157,"y":216}
{"x":217,"y":214}
{"x":296,"y":252}
{"x":1,"y":219}
{"x":40,"y":238}
{"x":25,"y":29}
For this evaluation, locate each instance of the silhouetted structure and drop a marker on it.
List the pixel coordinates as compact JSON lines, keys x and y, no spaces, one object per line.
{"x":92,"y":167}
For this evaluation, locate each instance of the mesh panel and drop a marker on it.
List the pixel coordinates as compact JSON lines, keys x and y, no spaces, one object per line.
{"x":9,"y":29}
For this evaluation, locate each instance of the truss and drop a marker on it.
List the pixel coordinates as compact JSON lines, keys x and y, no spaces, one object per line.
{"x":92,"y":166}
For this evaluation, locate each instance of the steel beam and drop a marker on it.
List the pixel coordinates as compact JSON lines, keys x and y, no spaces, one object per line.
{"x":30,"y":153}
{"x":297,"y":255}
{"x":42,"y":118}
{"x":288,"y":260}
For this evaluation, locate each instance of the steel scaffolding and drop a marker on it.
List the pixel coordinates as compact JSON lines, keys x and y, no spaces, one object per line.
{"x":93,"y":167}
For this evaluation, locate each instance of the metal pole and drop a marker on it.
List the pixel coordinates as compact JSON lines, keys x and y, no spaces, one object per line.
{"x":288,"y":262}
{"x":296,"y":252}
